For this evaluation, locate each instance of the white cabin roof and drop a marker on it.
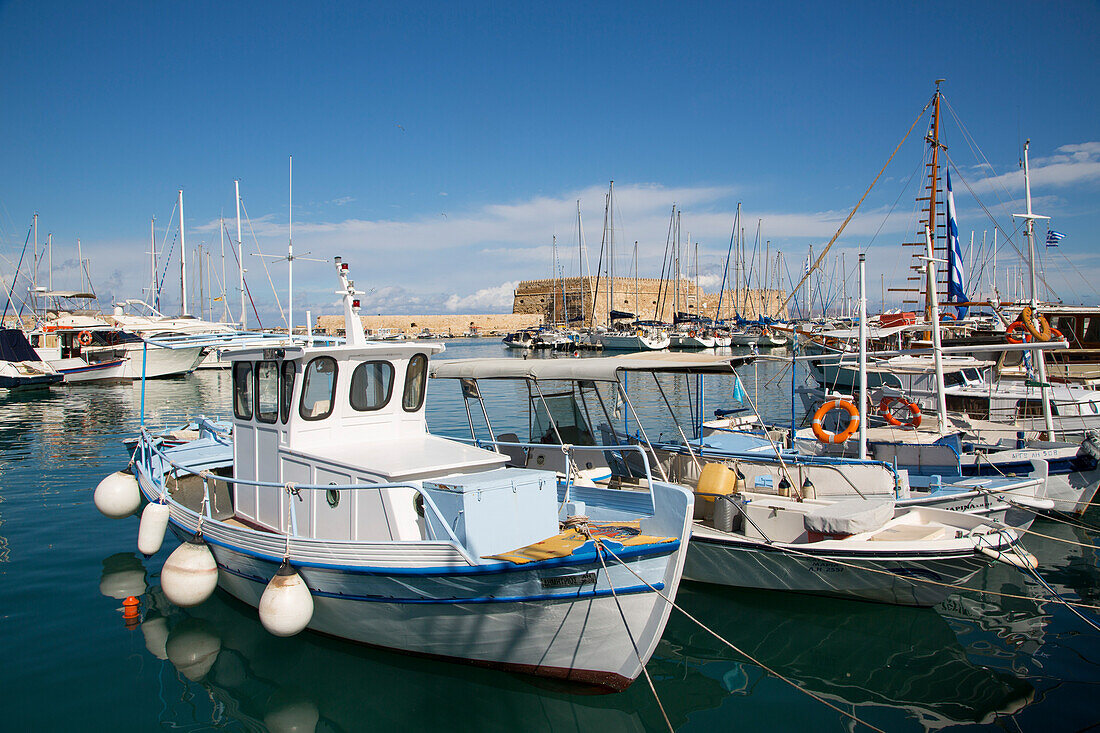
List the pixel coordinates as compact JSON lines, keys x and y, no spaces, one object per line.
{"x":601,"y":369}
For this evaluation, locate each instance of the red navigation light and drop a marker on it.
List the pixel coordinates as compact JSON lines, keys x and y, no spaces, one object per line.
{"x":355,"y":304}
{"x":343,"y":265}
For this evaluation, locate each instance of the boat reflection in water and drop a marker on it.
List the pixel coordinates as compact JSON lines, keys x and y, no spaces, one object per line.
{"x":311,"y":682}
{"x":893,"y":666}
{"x":883,"y":664}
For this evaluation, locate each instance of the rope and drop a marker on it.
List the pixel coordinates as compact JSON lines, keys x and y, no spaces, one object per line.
{"x":599,"y":553}
{"x":730,"y":644}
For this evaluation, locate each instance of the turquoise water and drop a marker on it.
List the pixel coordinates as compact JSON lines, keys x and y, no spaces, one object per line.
{"x":70,"y":662}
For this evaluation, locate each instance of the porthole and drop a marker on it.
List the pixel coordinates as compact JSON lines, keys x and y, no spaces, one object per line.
{"x":332,"y":496}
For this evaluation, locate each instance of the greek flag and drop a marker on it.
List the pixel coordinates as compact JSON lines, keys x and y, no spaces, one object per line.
{"x":956,"y":274}
{"x":1053,"y":238}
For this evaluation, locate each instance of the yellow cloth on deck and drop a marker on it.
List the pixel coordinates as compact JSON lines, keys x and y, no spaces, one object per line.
{"x":565,"y":543}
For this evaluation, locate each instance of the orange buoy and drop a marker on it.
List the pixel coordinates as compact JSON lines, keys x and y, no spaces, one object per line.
{"x":130,"y":612}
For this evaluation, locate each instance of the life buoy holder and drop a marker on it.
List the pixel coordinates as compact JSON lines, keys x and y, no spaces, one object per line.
{"x":826,"y":436}
{"x":1028,"y":318}
{"x":85,"y":338}
{"x":914,"y":412}
{"x":112,"y":337}
{"x":1013,"y":329}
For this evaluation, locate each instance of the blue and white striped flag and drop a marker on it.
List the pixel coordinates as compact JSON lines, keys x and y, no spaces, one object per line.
{"x":1053,"y":238}
{"x":956,"y":274}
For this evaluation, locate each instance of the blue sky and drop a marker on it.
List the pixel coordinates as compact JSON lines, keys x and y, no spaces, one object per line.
{"x":440,"y":147}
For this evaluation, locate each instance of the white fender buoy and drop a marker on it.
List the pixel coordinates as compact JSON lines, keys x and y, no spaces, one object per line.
{"x":192,"y":648}
{"x":123,"y":576}
{"x":155,"y":630}
{"x":190,"y":574}
{"x":154,"y":522}
{"x":291,"y":712}
{"x":117,"y":495}
{"x":286,"y":606}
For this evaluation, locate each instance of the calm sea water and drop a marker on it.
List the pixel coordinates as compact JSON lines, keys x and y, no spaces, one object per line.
{"x":70,"y":662}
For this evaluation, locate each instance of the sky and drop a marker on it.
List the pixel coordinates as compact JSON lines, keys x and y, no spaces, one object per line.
{"x":442,"y":148}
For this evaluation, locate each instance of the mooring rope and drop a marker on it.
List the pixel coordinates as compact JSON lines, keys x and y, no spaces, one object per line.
{"x":731,"y":645}
{"x":599,"y":553}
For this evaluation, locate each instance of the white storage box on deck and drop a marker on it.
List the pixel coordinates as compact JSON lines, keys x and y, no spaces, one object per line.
{"x":495,"y":511}
{"x":849,"y":517}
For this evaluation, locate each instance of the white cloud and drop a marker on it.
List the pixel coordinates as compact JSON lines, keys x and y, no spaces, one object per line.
{"x":1070,"y":164}
{"x":487,"y":300}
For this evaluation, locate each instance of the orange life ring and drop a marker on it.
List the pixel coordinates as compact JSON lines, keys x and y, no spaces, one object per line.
{"x":914,"y":412}
{"x":1027,"y":317}
{"x":691,"y":333}
{"x":1011,"y":331}
{"x":826,"y":436}
{"x":947,"y":317}
{"x":112,"y":337}
{"x":85,"y":338}
{"x":1056,"y":335}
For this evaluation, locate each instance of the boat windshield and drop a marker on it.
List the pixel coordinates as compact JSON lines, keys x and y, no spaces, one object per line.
{"x":566,"y":414}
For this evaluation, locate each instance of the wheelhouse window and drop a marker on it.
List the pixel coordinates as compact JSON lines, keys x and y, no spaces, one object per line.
{"x":371,"y":385}
{"x":242,"y":390}
{"x":286,"y":390}
{"x":1032,"y":408}
{"x":318,"y":389}
{"x":267,"y":391}
{"x":415,"y":383}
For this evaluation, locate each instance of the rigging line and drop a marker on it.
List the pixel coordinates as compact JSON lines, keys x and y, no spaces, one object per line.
{"x":743,"y":653}
{"x":1008,"y":237}
{"x":1080,"y":275}
{"x":263,"y":261}
{"x":247,"y":290}
{"x":15,"y":278}
{"x":859,"y":203}
{"x":977,"y":151}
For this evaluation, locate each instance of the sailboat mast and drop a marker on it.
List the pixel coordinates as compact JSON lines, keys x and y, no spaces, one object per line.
{"x":1029,"y":230}
{"x":153,"y":262}
{"x":240,"y":253}
{"x":610,"y":252}
{"x":933,"y":139}
{"x":34,"y":271}
{"x":183,"y":261}
{"x":290,"y":253}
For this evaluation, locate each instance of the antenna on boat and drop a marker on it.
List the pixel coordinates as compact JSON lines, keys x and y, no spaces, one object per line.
{"x":353,"y":327}
{"x":183,"y":262}
{"x":240,"y":253}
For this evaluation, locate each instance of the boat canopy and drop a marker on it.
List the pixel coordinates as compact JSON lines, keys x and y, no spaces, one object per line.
{"x":15,"y":347}
{"x":600,"y":369}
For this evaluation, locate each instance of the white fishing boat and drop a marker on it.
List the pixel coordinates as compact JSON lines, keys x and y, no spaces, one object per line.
{"x":331,"y":507}
{"x":858,"y":549}
{"x":915,"y":535}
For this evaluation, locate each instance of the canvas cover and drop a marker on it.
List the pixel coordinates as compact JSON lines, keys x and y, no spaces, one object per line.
{"x":850,"y":517}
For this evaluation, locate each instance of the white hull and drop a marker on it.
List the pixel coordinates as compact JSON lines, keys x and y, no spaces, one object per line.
{"x":686,"y":341}
{"x":633,"y":342}
{"x":159,"y":362}
{"x":538,"y":618}
{"x":880,"y":577}
{"x":77,"y":370}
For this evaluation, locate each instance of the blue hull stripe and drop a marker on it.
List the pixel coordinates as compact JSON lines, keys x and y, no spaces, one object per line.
{"x":577,"y":558}
{"x":627,"y":590}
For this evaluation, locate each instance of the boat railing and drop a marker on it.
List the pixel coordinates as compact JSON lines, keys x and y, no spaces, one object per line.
{"x":569,"y":450}
{"x":149,"y":450}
